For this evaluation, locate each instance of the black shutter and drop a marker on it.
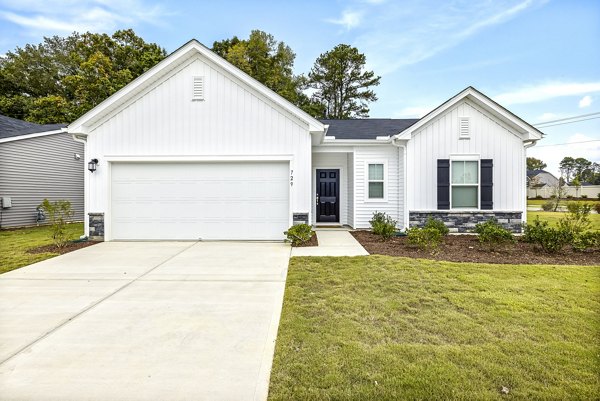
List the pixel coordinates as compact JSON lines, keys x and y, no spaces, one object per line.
{"x":487,"y":174}
{"x":443,"y":184}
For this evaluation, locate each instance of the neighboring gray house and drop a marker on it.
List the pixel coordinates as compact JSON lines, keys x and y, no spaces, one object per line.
{"x":37,"y":162}
{"x":540,"y":183}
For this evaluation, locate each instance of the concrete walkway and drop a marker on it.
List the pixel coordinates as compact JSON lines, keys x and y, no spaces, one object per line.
{"x":332,"y":242}
{"x":143,"y":321}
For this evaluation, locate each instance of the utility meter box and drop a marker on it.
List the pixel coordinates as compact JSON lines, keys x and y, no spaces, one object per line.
{"x":6,"y":202}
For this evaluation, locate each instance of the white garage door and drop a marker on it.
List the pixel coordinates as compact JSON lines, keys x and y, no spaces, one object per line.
{"x":172,"y":201}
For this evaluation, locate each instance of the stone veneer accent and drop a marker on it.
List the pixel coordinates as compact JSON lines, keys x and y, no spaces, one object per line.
{"x":464,"y":222}
{"x":96,"y":226}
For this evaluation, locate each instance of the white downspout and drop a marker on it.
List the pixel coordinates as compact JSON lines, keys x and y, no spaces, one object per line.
{"x":526,"y":146}
{"x":86,"y":221}
{"x":402,"y":164}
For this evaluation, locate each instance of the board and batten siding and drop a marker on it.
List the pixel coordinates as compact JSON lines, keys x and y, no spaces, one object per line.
{"x":393,"y":205}
{"x":333,"y":161}
{"x":231,"y":123}
{"x":489,"y":139}
{"x":36,"y":168}
{"x":350,"y":189}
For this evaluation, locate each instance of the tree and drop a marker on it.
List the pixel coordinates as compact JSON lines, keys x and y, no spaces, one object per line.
{"x":63,"y":77}
{"x":342,"y":84}
{"x":535,"y":164}
{"x":567,"y":168}
{"x":265,"y":59}
{"x":558,"y":192}
{"x":534,"y":183}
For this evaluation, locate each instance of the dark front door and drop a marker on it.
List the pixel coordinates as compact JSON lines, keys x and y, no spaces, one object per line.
{"x":328,"y":196}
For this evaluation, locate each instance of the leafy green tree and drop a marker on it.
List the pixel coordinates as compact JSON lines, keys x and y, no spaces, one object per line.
{"x":342,"y":84}
{"x":63,"y":77}
{"x":535,"y":164}
{"x":265,"y":59}
{"x":567,"y":168}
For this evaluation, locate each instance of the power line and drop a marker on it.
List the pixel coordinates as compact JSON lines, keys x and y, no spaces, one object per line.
{"x":567,"y":143}
{"x":567,"y":118}
{"x":568,"y":122}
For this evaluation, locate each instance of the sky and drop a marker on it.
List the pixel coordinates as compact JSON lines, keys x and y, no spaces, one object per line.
{"x":538,"y":58}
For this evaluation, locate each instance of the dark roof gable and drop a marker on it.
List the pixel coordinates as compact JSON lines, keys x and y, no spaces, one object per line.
{"x":367,"y":128}
{"x":11,"y":127}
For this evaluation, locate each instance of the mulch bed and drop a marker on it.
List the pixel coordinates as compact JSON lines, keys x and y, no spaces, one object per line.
{"x":312,"y":242}
{"x":466,"y":248}
{"x":71,"y":246}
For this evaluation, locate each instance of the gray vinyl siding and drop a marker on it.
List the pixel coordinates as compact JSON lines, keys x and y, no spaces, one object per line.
{"x":37,"y":168}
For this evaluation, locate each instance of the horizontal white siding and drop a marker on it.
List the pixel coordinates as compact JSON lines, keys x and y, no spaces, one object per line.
{"x":231,"y":121}
{"x":332,"y":161}
{"x":37,"y":168}
{"x":489,"y":140}
{"x":364,"y":208}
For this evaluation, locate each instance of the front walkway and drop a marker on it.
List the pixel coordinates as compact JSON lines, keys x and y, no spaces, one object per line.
{"x":332,"y":242}
{"x":143,"y":321}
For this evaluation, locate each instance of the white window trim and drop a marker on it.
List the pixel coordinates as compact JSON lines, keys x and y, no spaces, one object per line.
{"x":385,"y":180}
{"x":466,"y":158}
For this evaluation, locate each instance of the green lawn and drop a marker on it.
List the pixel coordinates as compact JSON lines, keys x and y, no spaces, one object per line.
{"x":385,"y":328}
{"x":540,"y":202}
{"x":15,"y":243}
{"x":553,"y":217}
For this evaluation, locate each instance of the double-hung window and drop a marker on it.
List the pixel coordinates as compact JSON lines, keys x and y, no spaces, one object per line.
{"x":376,"y":181}
{"x":464,"y":184}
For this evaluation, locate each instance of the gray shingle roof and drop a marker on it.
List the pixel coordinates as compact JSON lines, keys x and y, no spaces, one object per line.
{"x":11,"y":127}
{"x":368,"y":128}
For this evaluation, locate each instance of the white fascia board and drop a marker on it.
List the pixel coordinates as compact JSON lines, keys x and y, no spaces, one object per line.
{"x":34,"y":135}
{"x":171,"y":61}
{"x":355,"y":142}
{"x":522,"y":127}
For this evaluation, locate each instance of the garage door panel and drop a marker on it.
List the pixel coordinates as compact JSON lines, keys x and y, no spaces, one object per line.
{"x":199,"y":200}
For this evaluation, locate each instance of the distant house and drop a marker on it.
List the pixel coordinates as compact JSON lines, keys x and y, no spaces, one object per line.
{"x":37,"y":162}
{"x":540,"y":178}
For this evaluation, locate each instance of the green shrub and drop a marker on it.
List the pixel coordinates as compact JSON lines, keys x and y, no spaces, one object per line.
{"x":550,"y":239}
{"x":383,"y":224}
{"x":59,"y":213}
{"x":437,"y":225}
{"x":569,"y":196}
{"x":299,"y":234}
{"x":548,"y":206}
{"x":597,"y":207}
{"x":587,"y":240}
{"x":577,"y":218}
{"x":584,"y":196}
{"x":539,"y":197}
{"x":424,"y":238}
{"x":493,"y":235}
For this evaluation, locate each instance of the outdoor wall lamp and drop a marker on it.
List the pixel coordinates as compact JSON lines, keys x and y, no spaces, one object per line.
{"x":92,"y":165}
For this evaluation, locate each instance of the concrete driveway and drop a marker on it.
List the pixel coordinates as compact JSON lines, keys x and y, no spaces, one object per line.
{"x":143,"y":321}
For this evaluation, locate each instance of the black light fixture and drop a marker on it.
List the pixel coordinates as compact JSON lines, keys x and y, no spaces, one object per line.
{"x":92,"y":165}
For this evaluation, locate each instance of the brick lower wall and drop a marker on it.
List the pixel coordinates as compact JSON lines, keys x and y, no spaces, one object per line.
{"x":465,"y":222}
{"x":96,"y":221}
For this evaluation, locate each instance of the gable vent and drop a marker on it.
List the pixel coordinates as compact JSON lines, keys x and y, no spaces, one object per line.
{"x":464,"y":127}
{"x":198,"y":88}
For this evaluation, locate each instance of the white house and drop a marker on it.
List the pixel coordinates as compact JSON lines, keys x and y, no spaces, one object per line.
{"x":196,"y":149}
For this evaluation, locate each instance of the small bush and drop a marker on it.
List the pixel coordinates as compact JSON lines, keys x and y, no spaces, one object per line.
{"x":552,"y":196}
{"x":577,"y":218}
{"x":597,"y":207}
{"x":584,"y":196}
{"x":424,"y":238}
{"x":569,"y":196}
{"x":299,"y":234}
{"x":550,"y":239}
{"x":493,"y":235}
{"x":59,"y":213}
{"x":587,"y":240}
{"x":437,"y":225}
{"x":548,"y":206}
{"x":383,"y":224}
{"x":598,"y":195}
{"x":539,"y":197}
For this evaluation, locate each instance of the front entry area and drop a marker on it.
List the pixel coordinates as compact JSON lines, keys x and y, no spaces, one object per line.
{"x":327,"y":196}
{"x":204,"y":200}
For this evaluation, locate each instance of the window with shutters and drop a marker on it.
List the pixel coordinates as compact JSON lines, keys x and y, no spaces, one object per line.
{"x":376,"y":173}
{"x":464,"y":184}
{"x":198,"y":88}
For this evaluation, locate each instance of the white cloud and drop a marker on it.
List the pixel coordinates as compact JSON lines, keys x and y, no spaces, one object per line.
{"x":585,"y":101}
{"x":546,"y":91}
{"x":349,"y":19}
{"x":552,"y":155}
{"x":547,"y":117}
{"x":393,"y":37}
{"x":66,"y":16}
